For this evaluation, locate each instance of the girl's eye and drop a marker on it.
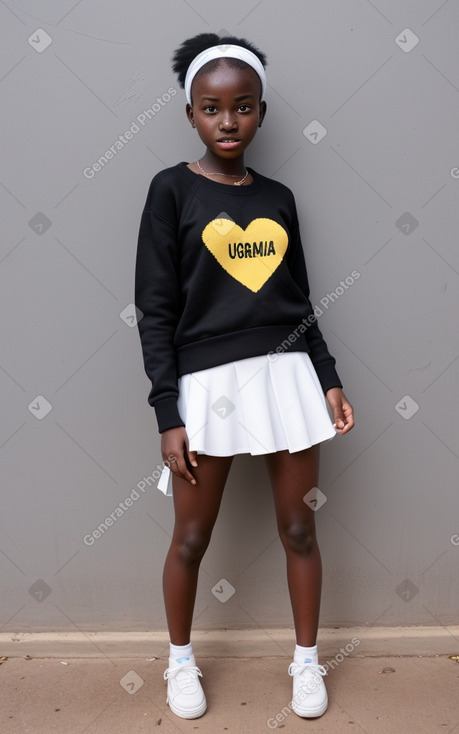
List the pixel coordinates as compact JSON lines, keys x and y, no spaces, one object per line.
{"x":210,"y":108}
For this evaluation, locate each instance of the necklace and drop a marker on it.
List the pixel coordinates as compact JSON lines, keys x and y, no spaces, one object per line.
{"x":233,"y":175}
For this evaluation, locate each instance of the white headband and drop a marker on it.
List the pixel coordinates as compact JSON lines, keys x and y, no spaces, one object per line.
{"x":219,"y":52}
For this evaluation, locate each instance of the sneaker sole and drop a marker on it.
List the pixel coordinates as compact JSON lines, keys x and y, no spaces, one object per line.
{"x":193,"y":714}
{"x":311,"y":713}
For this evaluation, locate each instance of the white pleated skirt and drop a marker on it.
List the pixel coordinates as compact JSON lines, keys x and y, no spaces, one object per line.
{"x":258,"y":405}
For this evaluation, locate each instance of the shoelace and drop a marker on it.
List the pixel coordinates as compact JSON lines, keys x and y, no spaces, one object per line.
{"x":315,"y":670}
{"x":186,"y":682}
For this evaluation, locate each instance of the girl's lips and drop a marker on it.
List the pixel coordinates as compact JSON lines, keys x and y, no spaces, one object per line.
{"x":229,"y":144}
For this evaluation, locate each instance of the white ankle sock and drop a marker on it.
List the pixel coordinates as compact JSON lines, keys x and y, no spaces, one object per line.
{"x":181,"y":655}
{"x":303,"y":655}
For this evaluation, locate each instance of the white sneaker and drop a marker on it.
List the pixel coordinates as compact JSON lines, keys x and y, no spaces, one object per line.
{"x":184,"y":691}
{"x":309,"y":693}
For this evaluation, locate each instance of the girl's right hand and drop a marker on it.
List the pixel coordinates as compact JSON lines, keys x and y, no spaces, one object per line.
{"x":176,"y":454}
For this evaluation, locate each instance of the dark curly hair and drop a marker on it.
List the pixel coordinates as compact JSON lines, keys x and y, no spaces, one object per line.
{"x":190,"y":48}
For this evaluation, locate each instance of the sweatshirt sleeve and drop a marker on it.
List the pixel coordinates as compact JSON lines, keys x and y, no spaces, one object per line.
{"x":321,"y":358}
{"x":157,"y":297}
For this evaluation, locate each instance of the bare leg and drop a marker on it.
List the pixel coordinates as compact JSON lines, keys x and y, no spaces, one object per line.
{"x":196,"y":510}
{"x":292,"y":476}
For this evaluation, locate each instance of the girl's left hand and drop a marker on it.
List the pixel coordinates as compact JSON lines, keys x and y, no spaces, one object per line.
{"x":343,"y":411}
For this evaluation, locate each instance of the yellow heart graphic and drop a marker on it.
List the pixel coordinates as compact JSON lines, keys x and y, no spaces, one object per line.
{"x":250,"y":256}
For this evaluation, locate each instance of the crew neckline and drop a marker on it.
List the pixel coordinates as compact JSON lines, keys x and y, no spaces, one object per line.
{"x":238,"y":190}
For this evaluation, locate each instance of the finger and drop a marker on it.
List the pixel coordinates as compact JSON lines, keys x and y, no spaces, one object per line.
{"x":192,"y":458}
{"x":339,"y":419}
{"x":187,"y":475}
{"x":348,"y":418}
{"x":183,"y":473}
{"x":189,"y":460}
{"x":349,"y":422}
{"x":182,"y":469}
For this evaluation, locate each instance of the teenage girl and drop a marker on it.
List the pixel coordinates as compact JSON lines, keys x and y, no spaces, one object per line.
{"x":234,"y":353}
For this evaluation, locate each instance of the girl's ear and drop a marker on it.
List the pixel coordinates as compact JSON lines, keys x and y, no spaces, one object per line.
{"x":189,"y":114}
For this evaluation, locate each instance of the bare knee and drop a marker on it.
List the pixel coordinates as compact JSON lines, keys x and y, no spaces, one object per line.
{"x":192,"y":545}
{"x":298,"y":536}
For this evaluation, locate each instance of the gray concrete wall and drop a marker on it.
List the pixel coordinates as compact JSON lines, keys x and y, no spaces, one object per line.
{"x":363,"y":103}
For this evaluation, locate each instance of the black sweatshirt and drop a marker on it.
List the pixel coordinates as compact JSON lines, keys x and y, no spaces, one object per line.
{"x":220,"y":276}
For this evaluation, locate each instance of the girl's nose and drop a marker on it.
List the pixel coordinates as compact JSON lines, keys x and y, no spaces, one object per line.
{"x":227,"y":122}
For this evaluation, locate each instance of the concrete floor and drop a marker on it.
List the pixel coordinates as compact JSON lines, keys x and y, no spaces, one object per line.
{"x":370,"y":691}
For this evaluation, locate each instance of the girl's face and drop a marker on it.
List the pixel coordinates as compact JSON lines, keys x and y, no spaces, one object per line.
{"x":226,"y":109}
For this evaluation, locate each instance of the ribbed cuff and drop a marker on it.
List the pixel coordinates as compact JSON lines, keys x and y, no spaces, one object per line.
{"x":328,"y":377}
{"x":167,"y":414}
